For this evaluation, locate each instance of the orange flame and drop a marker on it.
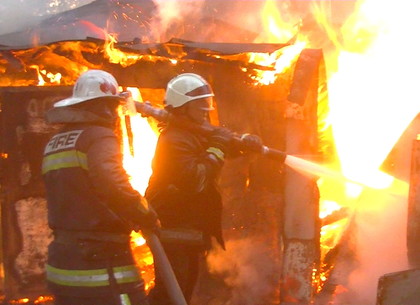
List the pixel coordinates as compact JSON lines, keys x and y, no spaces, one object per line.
{"x":279,"y":60}
{"x":372,"y":98}
{"x":44,"y":74}
{"x":276,"y":27}
{"x":117,"y":56}
{"x":138,"y":165}
{"x":137,"y":160}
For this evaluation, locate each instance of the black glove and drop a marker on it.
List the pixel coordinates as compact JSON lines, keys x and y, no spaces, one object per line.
{"x":252,"y":142}
{"x":221,"y":138}
{"x":149,"y":219}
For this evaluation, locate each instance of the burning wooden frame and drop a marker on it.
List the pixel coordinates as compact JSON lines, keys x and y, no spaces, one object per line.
{"x":284,"y":103}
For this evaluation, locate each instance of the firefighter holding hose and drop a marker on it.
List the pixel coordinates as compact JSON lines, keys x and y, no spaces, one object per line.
{"x":92,"y":207}
{"x":183,"y":187}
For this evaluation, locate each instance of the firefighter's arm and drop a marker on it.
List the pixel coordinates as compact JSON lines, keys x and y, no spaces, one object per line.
{"x":195,"y":167}
{"x":112,"y":184}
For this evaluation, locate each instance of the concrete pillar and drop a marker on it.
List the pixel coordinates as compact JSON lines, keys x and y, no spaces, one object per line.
{"x":301,"y":196}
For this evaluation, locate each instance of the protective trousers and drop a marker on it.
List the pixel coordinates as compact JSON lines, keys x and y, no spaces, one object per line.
{"x":185,"y":263}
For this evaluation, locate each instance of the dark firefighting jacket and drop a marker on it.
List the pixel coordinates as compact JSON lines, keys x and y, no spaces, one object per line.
{"x":183,"y":186}
{"x":92,"y":208}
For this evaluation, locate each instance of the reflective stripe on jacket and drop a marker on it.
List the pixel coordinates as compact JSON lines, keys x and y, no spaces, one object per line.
{"x":91,"y":278}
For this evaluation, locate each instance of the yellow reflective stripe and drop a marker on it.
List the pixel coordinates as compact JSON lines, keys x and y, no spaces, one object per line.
{"x":125,"y":300}
{"x":91,"y":278}
{"x":217,"y":152}
{"x":126,"y":274}
{"x":84,"y":278}
{"x":65,"y":159}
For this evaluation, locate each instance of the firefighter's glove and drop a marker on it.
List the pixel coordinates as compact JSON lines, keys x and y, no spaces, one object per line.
{"x":252,"y":143}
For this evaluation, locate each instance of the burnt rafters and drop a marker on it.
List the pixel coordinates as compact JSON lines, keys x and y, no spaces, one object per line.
{"x":69,"y":57}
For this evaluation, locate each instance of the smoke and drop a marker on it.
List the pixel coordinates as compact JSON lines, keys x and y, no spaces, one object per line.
{"x":247,"y":268}
{"x":176,"y":16}
{"x":16,"y":15}
{"x":172,"y":14}
{"x":173,"y":10}
{"x":380,"y":234}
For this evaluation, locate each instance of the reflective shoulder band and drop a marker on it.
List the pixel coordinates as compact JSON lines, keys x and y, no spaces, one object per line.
{"x":64,"y":159}
{"x":217,"y":152}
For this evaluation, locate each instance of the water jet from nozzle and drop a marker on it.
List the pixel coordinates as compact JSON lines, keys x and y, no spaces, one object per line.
{"x":308,"y":167}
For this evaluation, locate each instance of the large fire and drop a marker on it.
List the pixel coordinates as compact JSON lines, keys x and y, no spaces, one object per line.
{"x":371,"y":104}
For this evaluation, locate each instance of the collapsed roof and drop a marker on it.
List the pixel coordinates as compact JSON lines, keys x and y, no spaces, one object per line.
{"x":128,"y":20}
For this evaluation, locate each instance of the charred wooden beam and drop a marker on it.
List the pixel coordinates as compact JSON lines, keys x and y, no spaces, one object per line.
{"x":335,"y":216}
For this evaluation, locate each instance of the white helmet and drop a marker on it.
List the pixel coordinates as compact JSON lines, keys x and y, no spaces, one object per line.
{"x":90,"y":85}
{"x":187,"y":87}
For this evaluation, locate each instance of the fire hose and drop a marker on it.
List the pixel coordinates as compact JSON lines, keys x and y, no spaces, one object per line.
{"x":206,"y":129}
{"x":165,"y":268}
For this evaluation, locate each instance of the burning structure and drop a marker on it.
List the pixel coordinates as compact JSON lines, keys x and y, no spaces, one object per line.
{"x":290,"y":234}
{"x":287,"y":103}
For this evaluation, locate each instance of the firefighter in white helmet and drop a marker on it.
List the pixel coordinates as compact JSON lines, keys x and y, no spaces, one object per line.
{"x":183,"y":186}
{"x":92,"y":207}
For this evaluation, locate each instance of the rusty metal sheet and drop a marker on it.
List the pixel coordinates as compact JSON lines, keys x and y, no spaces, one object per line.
{"x":399,"y":288}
